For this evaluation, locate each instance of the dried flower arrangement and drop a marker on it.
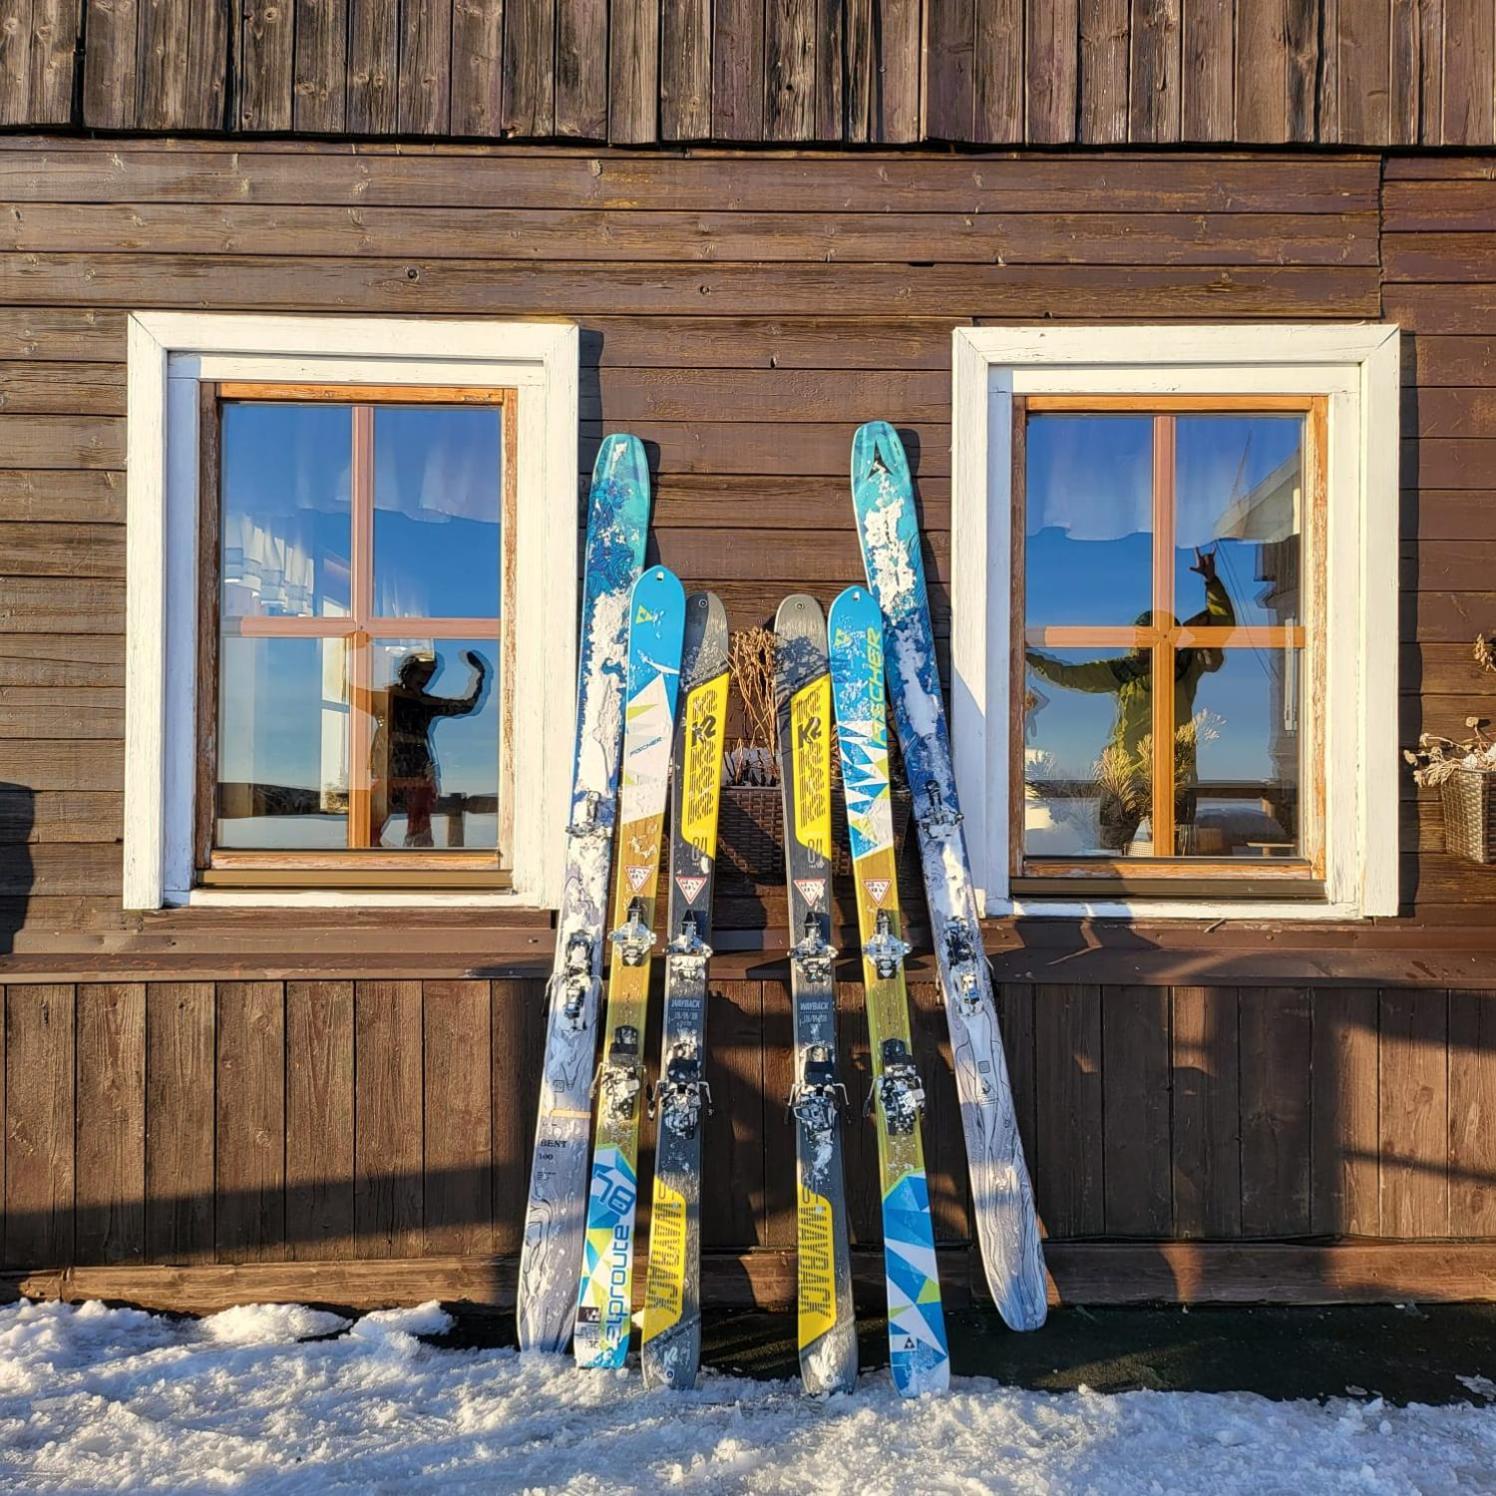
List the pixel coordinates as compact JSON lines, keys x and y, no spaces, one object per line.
{"x":1437,"y":758}
{"x":754,"y":757}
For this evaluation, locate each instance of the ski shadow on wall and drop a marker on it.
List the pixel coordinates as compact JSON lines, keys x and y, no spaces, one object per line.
{"x":17,"y":819}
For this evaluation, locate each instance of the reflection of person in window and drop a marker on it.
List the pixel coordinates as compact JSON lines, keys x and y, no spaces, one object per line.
{"x":403,"y":762}
{"x":1129,"y":678}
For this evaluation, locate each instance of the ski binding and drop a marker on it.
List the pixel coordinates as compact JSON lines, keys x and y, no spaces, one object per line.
{"x":576,"y":976}
{"x":817,"y":1098}
{"x":688,"y":948}
{"x":620,"y":1076}
{"x":593,"y":817}
{"x":634,"y":938}
{"x":884,"y":949}
{"x":682,"y":1095}
{"x":899,"y":1091}
{"x":939,"y":819}
{"x":962,"y":954}
{"x":812,"y":953}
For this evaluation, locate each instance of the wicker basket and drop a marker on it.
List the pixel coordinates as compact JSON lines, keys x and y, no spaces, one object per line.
{"x":750,"y":832}
{"x":1469,"y":798}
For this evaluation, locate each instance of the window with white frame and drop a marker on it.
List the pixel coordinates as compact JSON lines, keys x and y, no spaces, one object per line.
{"x":347,"y":597}
{"x":1174,"y":642}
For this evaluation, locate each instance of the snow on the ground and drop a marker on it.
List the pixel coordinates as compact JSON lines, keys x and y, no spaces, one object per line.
{"x":96,"y":1399}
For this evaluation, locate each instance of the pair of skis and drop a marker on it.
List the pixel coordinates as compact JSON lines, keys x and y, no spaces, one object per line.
{"x":641,"y":642}
{"x":808,"y":685}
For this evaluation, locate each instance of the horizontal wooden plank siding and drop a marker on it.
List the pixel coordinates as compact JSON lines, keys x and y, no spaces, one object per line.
{"x":1346,"y":72}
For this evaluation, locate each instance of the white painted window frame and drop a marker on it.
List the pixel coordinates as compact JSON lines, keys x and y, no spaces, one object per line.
{"x":1355,"y":366}
{"x":169,"y":354}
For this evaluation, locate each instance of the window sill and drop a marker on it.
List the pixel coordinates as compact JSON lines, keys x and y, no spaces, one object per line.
{"x":498,"y":899}
{"x":1215,"y":911}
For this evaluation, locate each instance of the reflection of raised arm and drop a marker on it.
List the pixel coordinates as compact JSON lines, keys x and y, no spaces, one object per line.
{"x":1219,"y":611}
{"x":1088,"y":675}
{"x":463,"y":706}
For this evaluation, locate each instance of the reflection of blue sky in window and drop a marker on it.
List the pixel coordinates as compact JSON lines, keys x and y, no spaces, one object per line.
{"x":286,"y":526}
{"x":437,"y":511}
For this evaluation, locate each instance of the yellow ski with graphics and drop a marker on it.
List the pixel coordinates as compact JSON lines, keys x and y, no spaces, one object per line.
{"x":604,"y":1297}
{"x":802,"y":690}
{"x":918,"y":1354}
{"x":670,"y":1350}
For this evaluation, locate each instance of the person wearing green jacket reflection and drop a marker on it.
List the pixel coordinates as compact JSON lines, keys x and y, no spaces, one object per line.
{"x":1130,"y":679}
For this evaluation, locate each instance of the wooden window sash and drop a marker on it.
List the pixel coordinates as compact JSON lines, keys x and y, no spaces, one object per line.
{"x":1165,"y":872}
{"x":360,"y":862}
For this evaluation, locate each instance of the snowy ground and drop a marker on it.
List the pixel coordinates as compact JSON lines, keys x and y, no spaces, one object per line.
{"x":95,"y":1399}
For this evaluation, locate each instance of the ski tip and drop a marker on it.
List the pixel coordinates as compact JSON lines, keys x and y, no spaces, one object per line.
{"x":798,"y":615}
{"x":704,"y":654}
{"x":854,"y":608}
{"x":621,"y":456}
{"x":876,"y":448}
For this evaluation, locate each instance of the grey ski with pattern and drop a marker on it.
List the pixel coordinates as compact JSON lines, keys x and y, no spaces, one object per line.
{"x":670,"y":1348}
{"x":827,"y":1330}
{"x":1002,"y":1198}
{"x":551,"y":1256}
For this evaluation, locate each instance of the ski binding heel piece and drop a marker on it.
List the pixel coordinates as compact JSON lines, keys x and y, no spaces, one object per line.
{"x":620,"y":1076}
{"x":688,"y":947}
{"x":939,"y":819}
{"x":884,"y":949}
{"x":899,"y":1091}
{"x":811,"y":953}
{"x":634,"y":938}
{"x":576,"y":977}
{"x":962,"y":954}
{"x":818,"y":1098}
{"x":682,"y":1095}
{"x":593,"y":817}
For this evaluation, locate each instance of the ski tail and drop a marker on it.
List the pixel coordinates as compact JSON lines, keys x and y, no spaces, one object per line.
{"x":826,"y":1320}
{"x":617,"y":521}
{"x":919,"y":1353}
{"x":1002,"y":1200}
{"x":604,"y":1292}
{"x":670,"y":1344}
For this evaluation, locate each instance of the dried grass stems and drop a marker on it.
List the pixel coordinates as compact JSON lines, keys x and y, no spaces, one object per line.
{"x":1437,"y":758}
{"x":754,"y":758}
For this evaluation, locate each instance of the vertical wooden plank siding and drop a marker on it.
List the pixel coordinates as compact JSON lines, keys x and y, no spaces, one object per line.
{"x":733,"y":1146}
{"x":1344,"y":1066}
{"x":478,"y":67}
{"x":529,"y":67}
{"x":1206,"y":1098}
{"x":901,"y":72}
{"x":319,"y":1120}
{"x":373,"y":66}
{"x":250,"y":1184}
{"x":53,"y":43}
{"x":518,"y":1041}
{"x":387,"y":1115}
{"x":424,"y":99}
{"x":267,"y":41}
{"x":1155,"y":104}
{"x":1365,"y":71}
{"x":1067,"y":1063}
{"x":110,"y":1169}
{"x":1101,"y":84}
{"x":634,"y":71}
{"x":685,"y":70}
{"x":790,"y":70}
{"x":1469,"y":65}
{"x":319,"y":102}
{"x":1472,"y":1114}
{"x":1301,"y":45}
{"x":1207,"y":71}
{"x":179,"y":1120}
{"x":39,"y":1123}
{"x":951,"y":58}
{"x":582,"y":69}
{"x":1414,"y":1109}
{"x":999,"y":71}
{"x":458,"y":1163}
{"x":1015,"y":1012}
{"x":109,"y":101}
{"x":945,"y":1145}
{"x":853,"y":1054}
{"x":776,"y":1040}
{"x":1275,"y":1027}
{"x":1135,"y":1084}
{"x":1051,"y":46}
{"x":1262,"y":70}
{"x":737,"y":70}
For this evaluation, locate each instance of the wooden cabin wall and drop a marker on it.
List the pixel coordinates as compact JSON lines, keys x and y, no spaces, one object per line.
{"x":997,"y":72}
{"x":214,"y":1121}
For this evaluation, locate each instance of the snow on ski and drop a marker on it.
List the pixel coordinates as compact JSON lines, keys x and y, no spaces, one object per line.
{"x":670,"y":1346}
{"x":1002,"y":1199}
{"x":617,"y":518}
{"x":657,"y":615}
{"x":802,"y":690}
{"x":919,"y":1356}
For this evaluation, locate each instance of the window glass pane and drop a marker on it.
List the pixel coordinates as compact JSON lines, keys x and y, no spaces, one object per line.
{"x":286,"y":517}
{"x":1087,"y":753}
{"x":1239,"y":515}
{"x":437,"y":513}
{"x":434,"y":743}
{"x":282,"y":744}
{"x":1088,"y":549}
{"x":1238,"y":756}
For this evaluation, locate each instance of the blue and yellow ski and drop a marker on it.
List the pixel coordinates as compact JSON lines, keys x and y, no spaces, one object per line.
{"x":657,"y":616}
{"x":918,"y":1351}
